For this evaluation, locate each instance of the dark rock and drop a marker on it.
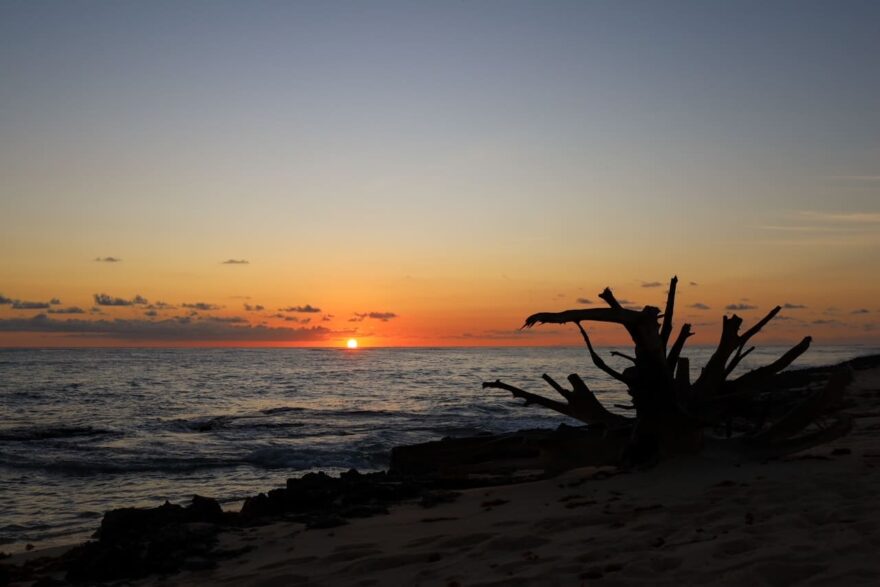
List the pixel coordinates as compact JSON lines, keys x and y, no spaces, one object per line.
{"x":204,"y":509}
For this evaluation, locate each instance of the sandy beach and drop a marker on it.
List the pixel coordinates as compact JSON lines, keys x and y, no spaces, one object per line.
{"x":810,"y":518}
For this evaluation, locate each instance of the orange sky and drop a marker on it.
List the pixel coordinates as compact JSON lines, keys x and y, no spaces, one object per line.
{"x":432,"y":173}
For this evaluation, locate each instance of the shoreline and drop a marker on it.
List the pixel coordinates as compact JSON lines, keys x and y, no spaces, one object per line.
{"x":441,"y":544}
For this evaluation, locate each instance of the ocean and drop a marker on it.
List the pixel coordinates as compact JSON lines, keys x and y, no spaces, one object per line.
{"x":87,"y":430}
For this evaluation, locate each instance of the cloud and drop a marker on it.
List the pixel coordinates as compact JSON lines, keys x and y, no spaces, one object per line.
{"x":5,"y":300}
{"x":694,"y":283}
{"x":161,"y":306}
{"x":70,"y":310}
{"x":178,"y":329}
{"x":255,"y":308}
{"x":23,"y":305}
{"x":584,"y":301}
{"x":327,"y":318}
{"x":831,"y":322}
{"x":235,"y":262}
{"x":295,"y":319}
{"x":151,"y":313}
{"x":108,"y":260}
{"x":861,"y":311}
{"x":699,"y":306}
{"x":844,"y":217}
{"x":499,"y":334}
{"x":651,"y":284}
{"x":307,"y":309}
{"x":740,"y":307}
{"x":788,"y":306}
{"x":226,"y":319}
{"x":55,"y":302}
{"x":103,"y":299}
{"x":383,"y":316}
{"x":203,"y":306}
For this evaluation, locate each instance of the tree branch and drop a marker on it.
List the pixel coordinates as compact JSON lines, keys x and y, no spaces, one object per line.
{"x":561,"y":390}
{"x":760,"y":374}
{"x":530,"y":398}
{"x":597,"y":360}
{"x":678,"y":345}
{"x":666,"y":328}
{"x":623,"y":355}
{"x":739,"y":356}
{"x":609,"y":298}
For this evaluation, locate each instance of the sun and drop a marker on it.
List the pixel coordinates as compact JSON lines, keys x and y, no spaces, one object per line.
{"x":352,"y":343}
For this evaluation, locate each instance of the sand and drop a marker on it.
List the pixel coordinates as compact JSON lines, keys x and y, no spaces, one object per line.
{"x":809,"y":519}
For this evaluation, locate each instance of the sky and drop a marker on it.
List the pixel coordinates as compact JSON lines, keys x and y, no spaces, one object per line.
{"x":430,"y":173}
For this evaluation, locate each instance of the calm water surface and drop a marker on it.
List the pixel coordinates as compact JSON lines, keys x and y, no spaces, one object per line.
{"x":83,"y":431}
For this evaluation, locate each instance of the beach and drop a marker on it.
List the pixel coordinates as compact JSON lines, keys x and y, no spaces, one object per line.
{"x":808,"y":518}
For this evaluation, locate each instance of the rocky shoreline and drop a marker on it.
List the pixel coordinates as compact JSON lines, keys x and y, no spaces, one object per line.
{"x":138,"y":542}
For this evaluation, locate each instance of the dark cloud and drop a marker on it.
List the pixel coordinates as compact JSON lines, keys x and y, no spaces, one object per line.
{"x":108,"y":259}
{"x":383,"y":316}
{"x":699,"y":306}
{"x":584,"y":301}
{"x":788,"y":306}
{"x":327,"y":318}
{"x":740,"y":307}
{"x":298,"y":320}
{"x":103,"y":299}
{"x":24,"y":305}
{"x":226,"y":319}
{"x":694,"y":283}
{"x":70,"y":310}
{"x":203,"y":306}
{"x":651,"y":284}
{"x":235,"y":262}
{"x":161,"y":306}
{"x":5,"y":300}
{"x":861,"y":311}
{"x":307,"y":309}
{"x":55,"y":302}
{"x":179,"y":329}
{"x":96,"y":310}
{"x":831,"y":322}
{"x":255,"y":308}
{"x":151,"y":313}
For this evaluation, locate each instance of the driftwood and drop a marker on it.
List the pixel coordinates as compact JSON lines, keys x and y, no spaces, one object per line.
{"x":674,"y":415}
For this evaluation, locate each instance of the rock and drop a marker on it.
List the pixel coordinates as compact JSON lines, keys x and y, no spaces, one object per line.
{"x":204,"y":509}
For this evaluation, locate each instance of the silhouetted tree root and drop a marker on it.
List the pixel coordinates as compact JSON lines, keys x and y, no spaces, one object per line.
{"x":674,"y":415}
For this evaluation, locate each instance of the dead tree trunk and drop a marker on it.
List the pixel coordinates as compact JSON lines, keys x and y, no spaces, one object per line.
{"x":672,"y":414}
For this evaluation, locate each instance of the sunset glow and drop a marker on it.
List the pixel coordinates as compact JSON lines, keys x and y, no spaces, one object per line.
{"x":226,"y":199}
{"x":352,"y":343}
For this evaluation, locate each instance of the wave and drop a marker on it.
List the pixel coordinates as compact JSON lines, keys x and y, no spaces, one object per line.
{"x":51,"y":432}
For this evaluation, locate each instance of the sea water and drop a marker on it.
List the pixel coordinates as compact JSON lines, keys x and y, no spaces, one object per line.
{"x":86,"y":430}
